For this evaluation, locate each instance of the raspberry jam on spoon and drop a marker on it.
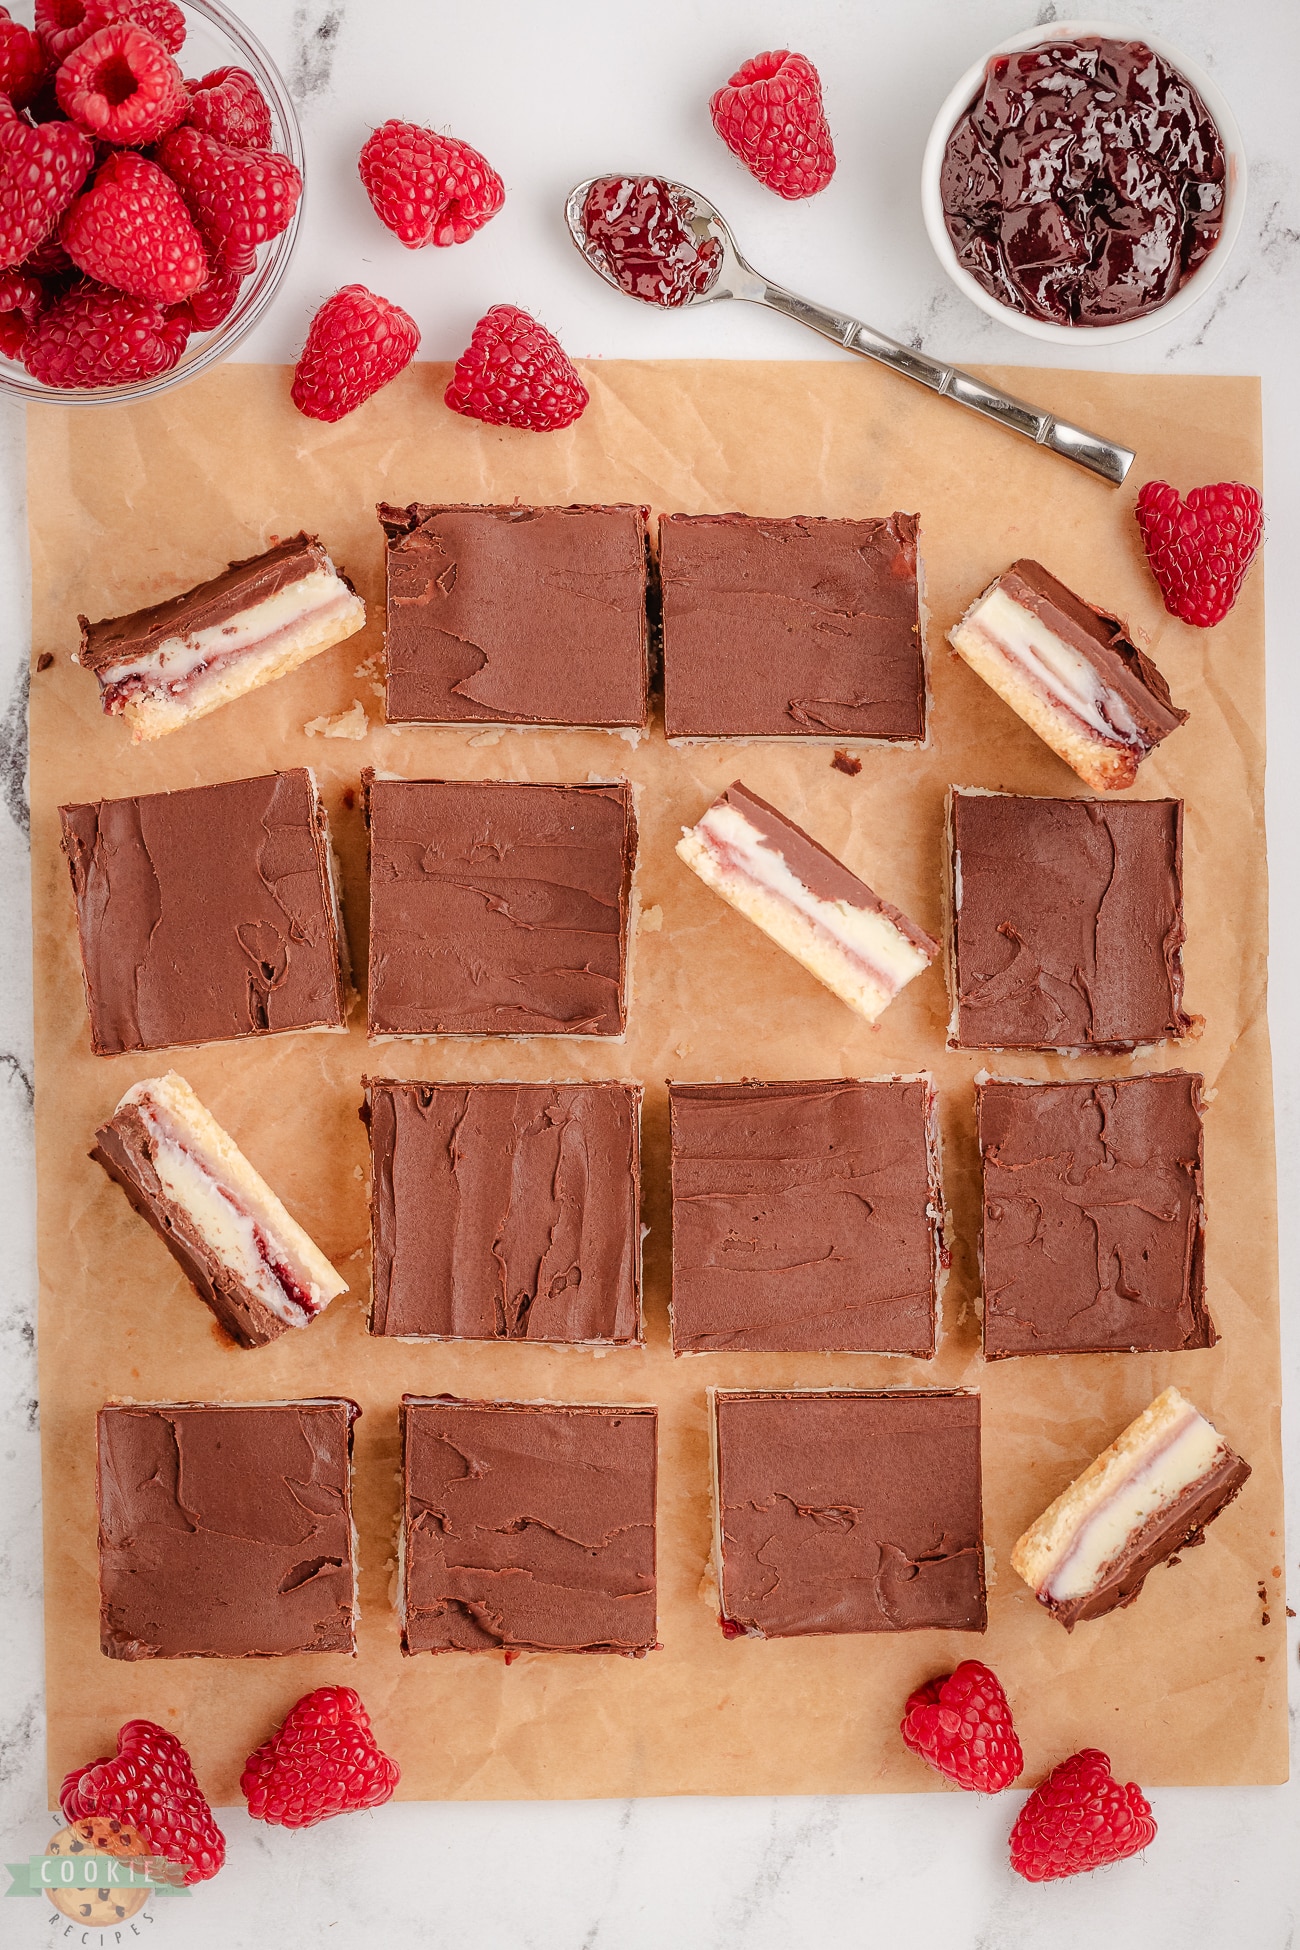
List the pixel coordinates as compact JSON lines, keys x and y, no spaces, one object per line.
{"x":642,"y":227}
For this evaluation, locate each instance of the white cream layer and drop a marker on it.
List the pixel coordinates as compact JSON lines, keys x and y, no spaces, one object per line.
{"x":173,"y":661}
{"x":857,"y":952}
{"x":1070,"y":682}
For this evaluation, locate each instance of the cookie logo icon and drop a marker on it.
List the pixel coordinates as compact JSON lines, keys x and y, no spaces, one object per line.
{"x":94,"y":1907}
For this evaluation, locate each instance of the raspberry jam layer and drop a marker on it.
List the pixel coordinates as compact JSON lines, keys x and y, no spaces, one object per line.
{"x":1085,"y":183}
{"x":644,"y":232}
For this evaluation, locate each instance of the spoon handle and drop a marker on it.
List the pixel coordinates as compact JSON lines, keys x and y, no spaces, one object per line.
{"x":1103,"y":457}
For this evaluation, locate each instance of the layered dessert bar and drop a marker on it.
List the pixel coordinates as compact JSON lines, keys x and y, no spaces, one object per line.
{"x":218,"y":1218}
{"x":505,"y":1211}
{"x":848,"y":1510}
{"x":531,"y":616}
{"x":803,"y":628}
{"x":160,"y":667}
{"x":863,"y":949}
{"x":807,"y":1217}
{"x":527,"y":1527}
{"x":225,"y":1531}
{"x":1145,"y":1499}
{"x":1067,"y":922}
{"x":207,"y":914}
{"x":1070,"y":671}
{"x":498,"y":909}
{"x":1094,"y":1218}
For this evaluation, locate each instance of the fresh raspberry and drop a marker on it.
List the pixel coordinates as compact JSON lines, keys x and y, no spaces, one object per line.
{"x":356,"y":343}
{"x":514,"y":373}
{"x":41,"y":171}
{"x":428,"y":189}
{"x":64,"y":24}
{"x":122,"y":85}
{"x":131,"y":230}
{"x":48,"y":260}
{"x":770,"y":114}
{"x":1201,"y":548}
{"x":962,"y":1725}
{"x":98,"y":337}
{"x":24,"y":64}
{"x":213,"y":303}
{"x":239,"y":198}
{"x":322,"y":1761}
{"x":150,"y":1784}
{"x":1079,"y":1819}
{"x":229,"y":104}
{"x":22,"y":299}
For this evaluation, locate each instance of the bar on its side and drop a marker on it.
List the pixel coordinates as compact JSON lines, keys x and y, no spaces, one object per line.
{"x":1147,"y":1497}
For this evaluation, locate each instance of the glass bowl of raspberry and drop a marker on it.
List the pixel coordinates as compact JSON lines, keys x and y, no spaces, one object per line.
{"x":151,"y":171}
{"x":1084,"y":182}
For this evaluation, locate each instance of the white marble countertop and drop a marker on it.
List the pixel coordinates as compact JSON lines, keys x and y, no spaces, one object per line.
{"x":552,"y":94}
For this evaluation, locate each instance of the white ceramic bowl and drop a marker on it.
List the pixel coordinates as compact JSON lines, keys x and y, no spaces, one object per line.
{"x":1188,"y":294}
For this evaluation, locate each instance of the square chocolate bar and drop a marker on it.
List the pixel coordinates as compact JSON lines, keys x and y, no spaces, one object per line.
{"x":1067,"y":924}
{"x":848,"y":1510}
{"x":527,"y":1526}
{"x":505,"y":1211}
{"x":225,"y":1531}
{"x":1094,"y":1222}
{"x":498,"y":909}
{"x":807,"y":1217}
{"x":206,"y":914}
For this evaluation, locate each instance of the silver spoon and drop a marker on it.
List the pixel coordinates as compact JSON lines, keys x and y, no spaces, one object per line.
{"x":737,"y":279}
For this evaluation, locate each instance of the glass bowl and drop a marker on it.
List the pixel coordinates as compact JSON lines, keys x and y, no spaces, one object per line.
{"x":215,"y":39}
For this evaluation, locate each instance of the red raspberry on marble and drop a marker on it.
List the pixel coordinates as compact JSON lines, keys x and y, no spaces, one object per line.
{"x":94,"y":336}
{"x":64,"y":24}
{"x":214,"y":301}
{"x":22,"y":299}
{"x":122,"y":86}
{"x":239,"y":198}
{"x":322,"y":1761}
{"x":229,"y":104}
{"x":770,"y":114}
{"x":428,"y":188}
{"x":356,"y":343}
{"x":131,"y":229}
{"x":149,"y":1784}
{"x":41,"y":171}
{"x":962,"y":1725}
{"x":1079,"y":1819}
{"x":24,"y":63}
{"x":514,"y":373}
{"x":1200,"y":549}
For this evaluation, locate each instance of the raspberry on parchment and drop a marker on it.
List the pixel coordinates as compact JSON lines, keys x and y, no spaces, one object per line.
{"x":322,"y":1761}
{"x":962,"y":1725}
{"x":356,"y":343}
{"x":514,"y":373}
{"x":149,"y":1783}
{"x":1200,"y":549}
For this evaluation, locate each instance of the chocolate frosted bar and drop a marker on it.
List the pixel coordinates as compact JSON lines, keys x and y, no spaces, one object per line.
{"x":516,"y":615}
{"x":1070,"y":671}
{"x":768,"y":869}
{"x":259,"y":619}
{"x":506,"y":1211}
{"x":1147,"y":1497}
{"x":527,"y":1527}
{"x":1094,"y":1220}
{"x":806,"y":1216}
{"x":206,"y":914}
{"x":225,"y":1532}
{"x":848,"y":1510}
{"x":221,"y":1222}
{"x":803,"y":628}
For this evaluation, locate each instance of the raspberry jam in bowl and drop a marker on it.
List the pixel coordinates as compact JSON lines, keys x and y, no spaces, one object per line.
{"x":214,"y":39}
{"x":643,"y":231}
{"x":1084,"y":181}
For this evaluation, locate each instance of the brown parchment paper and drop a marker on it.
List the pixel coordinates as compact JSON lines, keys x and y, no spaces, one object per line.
{"x":130,"y":505}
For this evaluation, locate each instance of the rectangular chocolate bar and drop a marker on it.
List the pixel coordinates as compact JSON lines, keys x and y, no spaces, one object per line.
{"x":516,"y":615}
{"x":206,"y":914}
{"x":498,"y":909}
{"x":177,"y":660}
{"x":1094,"y":1220}
{"x":1070,"y":671}
{"x":219,"y":1219}
{"x":505,"y":1211}
{"x":803,"y":628}
{"x":225,"y":1530}
{"x":848,"y":1510}
{"x":807,"y":1217}
{"x":527,"y":1527}
{"x":863,"y":949}
{"x":1067,"y":924}
{"x":1145,"y":1499}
